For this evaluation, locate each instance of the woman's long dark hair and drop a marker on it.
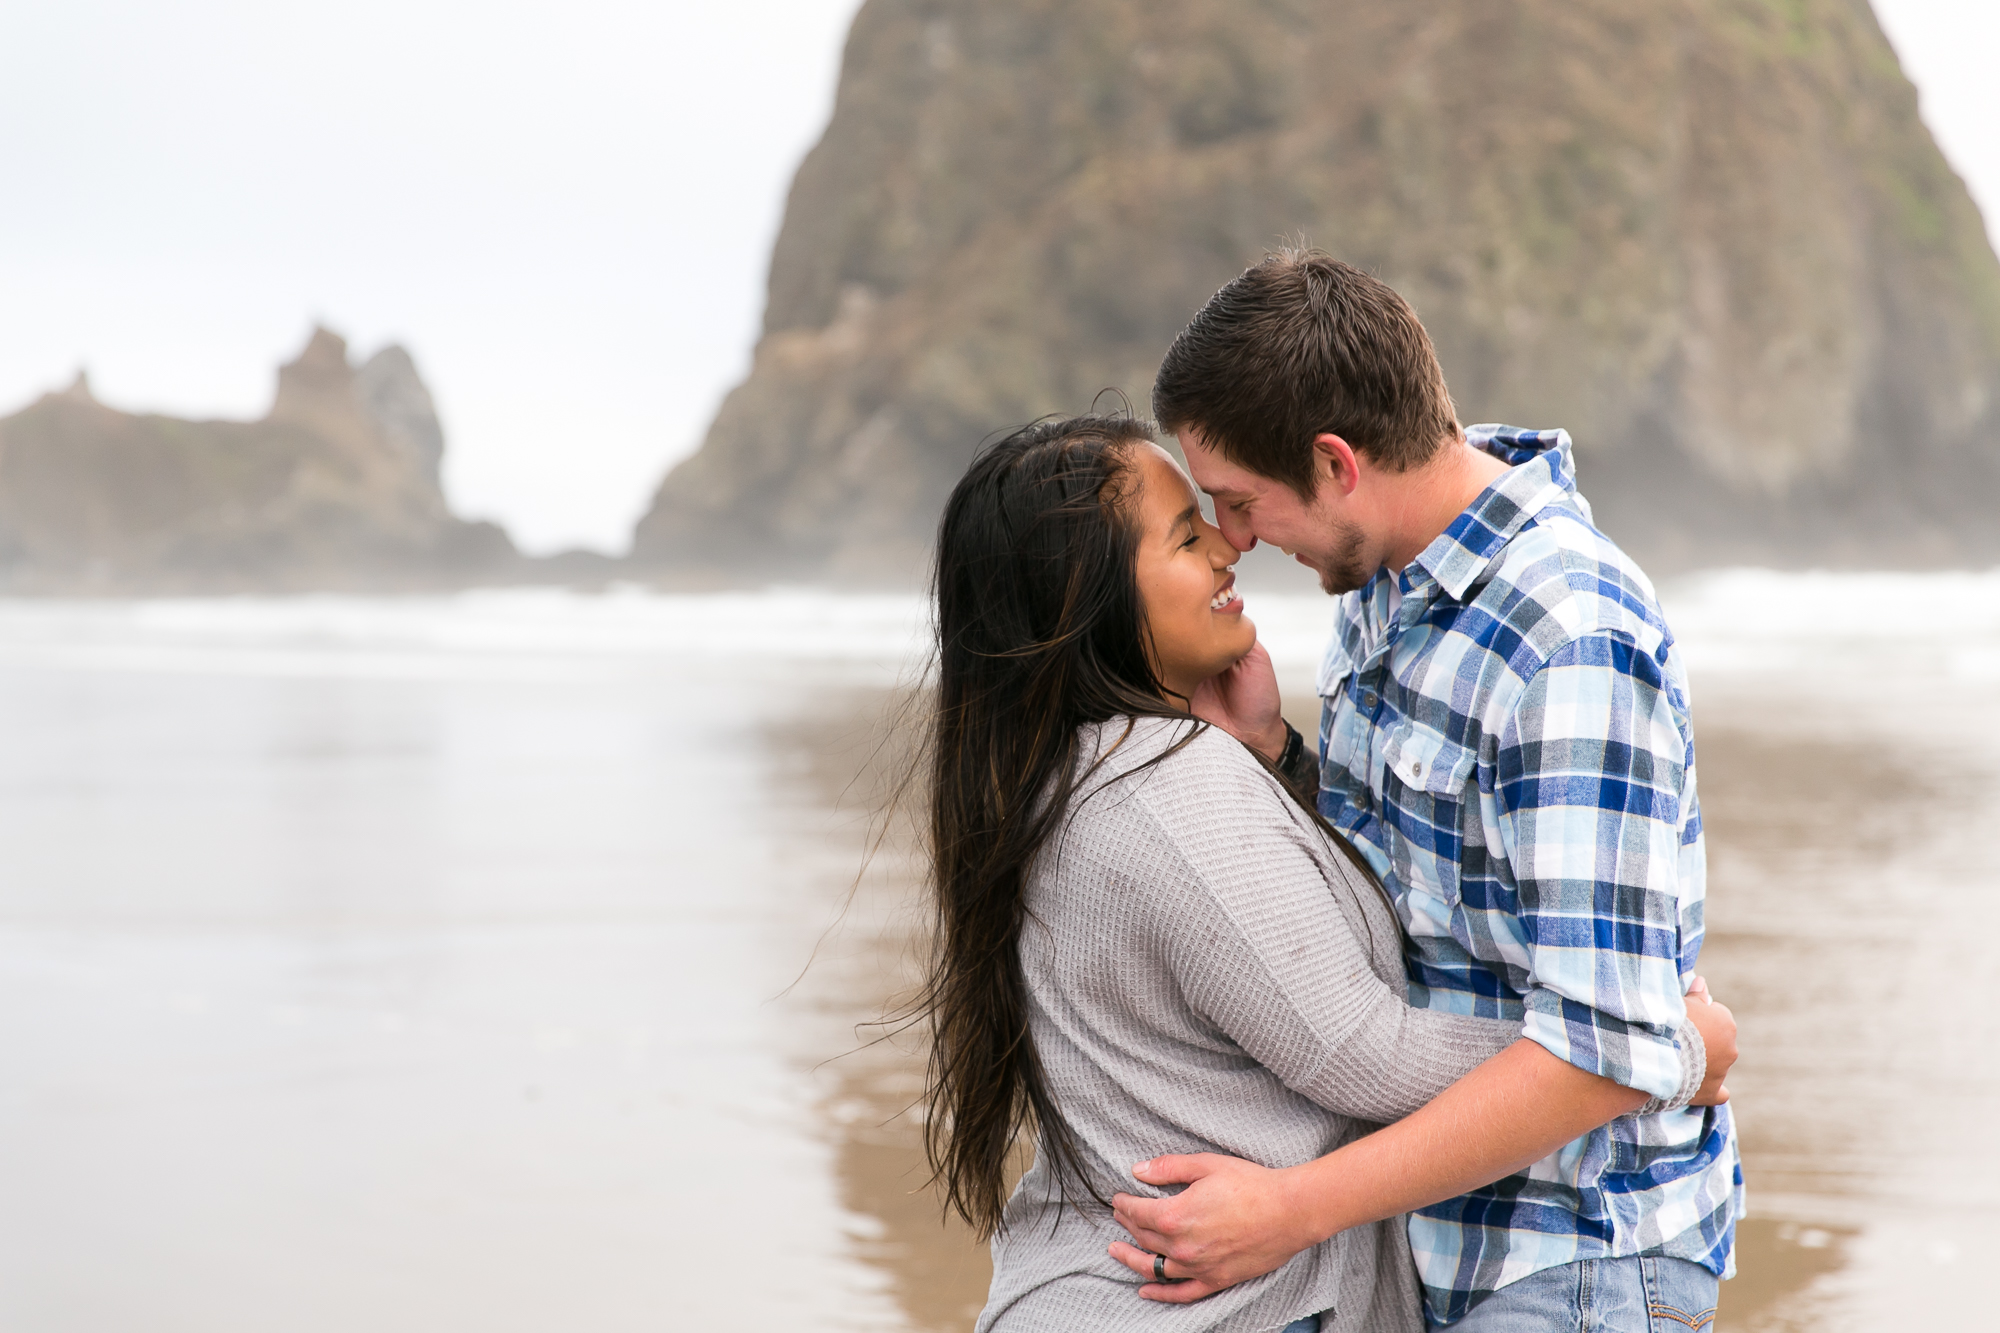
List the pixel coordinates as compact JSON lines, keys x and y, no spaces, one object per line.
{"x":1040,"y":629}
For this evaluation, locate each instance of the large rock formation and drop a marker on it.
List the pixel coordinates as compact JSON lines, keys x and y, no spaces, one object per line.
{"x":1710,"y":237}
{"x":336,"y":488}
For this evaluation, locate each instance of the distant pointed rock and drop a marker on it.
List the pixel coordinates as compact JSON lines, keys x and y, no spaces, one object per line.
{"x":396,"y":400}
{"x":318,"y":390}
{"x":318,"y":376}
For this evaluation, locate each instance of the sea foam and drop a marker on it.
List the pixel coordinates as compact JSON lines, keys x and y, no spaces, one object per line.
{"x":1743,"y":621}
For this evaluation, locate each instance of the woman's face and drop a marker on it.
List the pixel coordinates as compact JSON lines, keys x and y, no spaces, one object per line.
{"x":1186,"y":582}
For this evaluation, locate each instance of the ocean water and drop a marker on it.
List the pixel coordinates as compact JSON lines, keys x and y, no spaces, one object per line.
{"x":498,"y":962}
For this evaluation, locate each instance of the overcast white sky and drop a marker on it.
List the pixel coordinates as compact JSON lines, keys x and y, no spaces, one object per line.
{"x":563,"y":210}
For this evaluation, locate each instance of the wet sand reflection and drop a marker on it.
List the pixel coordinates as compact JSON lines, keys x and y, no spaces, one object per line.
{"x":1851,"y":914}
{"x":846,"y":762}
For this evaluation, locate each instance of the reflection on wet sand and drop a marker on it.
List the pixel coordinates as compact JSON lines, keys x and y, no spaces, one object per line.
{"x":1851,"y":914}
{"x":848,"y":761}
{"x":1851,"y":920}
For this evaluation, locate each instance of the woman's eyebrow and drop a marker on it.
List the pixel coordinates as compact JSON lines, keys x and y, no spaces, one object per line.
{"x":1186,"y":518}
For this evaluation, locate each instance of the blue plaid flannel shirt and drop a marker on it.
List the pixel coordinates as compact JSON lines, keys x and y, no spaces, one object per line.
{"x":1505,"y":736}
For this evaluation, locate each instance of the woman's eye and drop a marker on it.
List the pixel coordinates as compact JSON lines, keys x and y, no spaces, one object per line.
{"x":1193,"y":537}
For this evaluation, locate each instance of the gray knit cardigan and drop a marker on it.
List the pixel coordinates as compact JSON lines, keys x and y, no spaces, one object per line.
{"x":1205,"y":973}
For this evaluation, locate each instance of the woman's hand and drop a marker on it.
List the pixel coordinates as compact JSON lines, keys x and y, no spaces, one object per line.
{"x":1244,"y":701}
{"x":1235,"y":1221}
{"x":1718,"y":1032}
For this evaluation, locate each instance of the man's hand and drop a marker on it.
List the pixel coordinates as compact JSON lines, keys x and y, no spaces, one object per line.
{"x":1718,"y":1033}
{"x":1243,"y":700}
{"x":1235,"y":1221}
{"x":1238,"y":1220}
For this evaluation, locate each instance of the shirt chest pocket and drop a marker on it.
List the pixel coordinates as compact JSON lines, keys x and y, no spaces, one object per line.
{"x":1426,"y":797}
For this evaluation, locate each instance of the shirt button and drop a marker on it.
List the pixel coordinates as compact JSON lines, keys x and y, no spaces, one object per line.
{"x":1416,"y":768}
{"x":1369,"y":699}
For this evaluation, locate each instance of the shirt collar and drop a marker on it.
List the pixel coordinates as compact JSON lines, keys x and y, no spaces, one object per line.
{"x":1540,"y":472}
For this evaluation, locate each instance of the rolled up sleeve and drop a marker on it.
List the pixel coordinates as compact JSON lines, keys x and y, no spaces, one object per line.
{"x":1591,"y":779}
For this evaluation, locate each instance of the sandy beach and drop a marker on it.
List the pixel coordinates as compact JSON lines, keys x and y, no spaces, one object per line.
{"x":506,"y":962}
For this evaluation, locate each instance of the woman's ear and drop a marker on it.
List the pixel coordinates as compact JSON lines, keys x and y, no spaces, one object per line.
{"x":1334,"y":461}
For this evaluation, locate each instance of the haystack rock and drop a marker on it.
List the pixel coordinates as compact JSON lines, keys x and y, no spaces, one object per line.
{"x":336,"y":488}
{"x":1710,"y":237}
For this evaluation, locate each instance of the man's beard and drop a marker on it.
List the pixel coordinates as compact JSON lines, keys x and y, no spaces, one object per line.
{"x":1345,"y":570}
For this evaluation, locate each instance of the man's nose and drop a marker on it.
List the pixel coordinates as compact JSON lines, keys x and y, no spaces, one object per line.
{"x":1235,"y":531}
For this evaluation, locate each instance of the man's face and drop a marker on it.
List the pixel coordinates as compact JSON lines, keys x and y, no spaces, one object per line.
{"x":1320,"y":533}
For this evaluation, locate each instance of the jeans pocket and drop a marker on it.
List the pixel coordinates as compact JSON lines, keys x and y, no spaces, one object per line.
{"x":1680,"y":1296}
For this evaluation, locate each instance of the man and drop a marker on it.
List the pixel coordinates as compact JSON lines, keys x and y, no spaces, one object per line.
{"x":1506,"y":737}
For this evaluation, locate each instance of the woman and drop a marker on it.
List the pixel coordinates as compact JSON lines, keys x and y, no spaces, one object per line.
{"x":1145,"y":938}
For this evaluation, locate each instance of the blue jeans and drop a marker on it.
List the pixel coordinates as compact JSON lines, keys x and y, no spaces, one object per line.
{"x":1646,"y":1294}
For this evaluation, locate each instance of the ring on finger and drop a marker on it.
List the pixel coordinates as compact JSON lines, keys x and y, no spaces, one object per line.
{"x":1159,"y":1268}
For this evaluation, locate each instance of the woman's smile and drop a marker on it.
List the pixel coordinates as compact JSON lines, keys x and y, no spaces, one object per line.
{"x":1186,"y":574}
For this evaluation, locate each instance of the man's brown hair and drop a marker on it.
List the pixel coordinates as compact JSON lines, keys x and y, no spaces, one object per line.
{"x":1303,"y":345}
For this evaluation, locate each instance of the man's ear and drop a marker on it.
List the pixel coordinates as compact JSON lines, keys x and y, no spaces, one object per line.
{"x":1334,"y":461}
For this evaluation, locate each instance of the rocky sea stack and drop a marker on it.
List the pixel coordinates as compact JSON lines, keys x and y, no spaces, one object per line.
{"x":337,"y":488}
{"x":1710,"y":237}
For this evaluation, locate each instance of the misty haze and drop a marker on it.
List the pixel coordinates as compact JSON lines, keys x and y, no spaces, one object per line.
{"x":467,"y":490}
